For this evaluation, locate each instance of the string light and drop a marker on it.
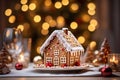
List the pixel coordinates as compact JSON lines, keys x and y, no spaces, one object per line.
{"x":60,"y":21}
{"x":91,"y":12}
{"x":45,"y":26}
{"x":24,"y":8}
{"x":58,"y":5}
{"x":92,"y":44}
{"x":32,"y":6}
{"x":65,"y":2}
{"x":44,"y":32}
{"x":73,"y":25}
{"x":91,"y":6}
{"x":47,"y":3}
{"x":12,"y":19}
{"x":86,"y":18}
{"x":37,"y":18}
{"x":91,"y":28}
{"x":21,"y":27}
{"x":74,"y":7}
{"x":8,"y":12}
{"x":23,"y":1}
{"x":93,"y":22}
{"x":81,"y":39}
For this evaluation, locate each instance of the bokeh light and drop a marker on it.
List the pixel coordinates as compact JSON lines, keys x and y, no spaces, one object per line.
{"x":81,"y":39}
{"x":21,"y":27}
{"x":23,"y":1}
{"x":32,"y":6}
{"x":86,"y":18}
{"x":91,"y":12}
{"x":74,"y":7}
{"x":17,"y":6}
{"x":92,"y":44}
{"x":94,"y":22}
{"x":73,"y":25}
{"x":45,"y":26}
{"x":44,"y":32}
{"x":58,"y":5}
{"x":60,"y":21}
{"x":91,"y":6}
{"x":24,"y":8}
{"x":37,"y":18}
{"x":65,"y":2}
{"x":38,"y":49}
{"x":91,"y":28}
{"x":12,"y":19}
{"x":47,"y":3}
{"x":8,"y":12}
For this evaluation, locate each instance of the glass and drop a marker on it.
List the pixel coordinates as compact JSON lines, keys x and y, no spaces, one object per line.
{"x":114,"y":61}
{"x":12,"y":40}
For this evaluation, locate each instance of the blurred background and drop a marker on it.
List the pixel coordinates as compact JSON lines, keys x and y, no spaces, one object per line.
{"x":89,"y":20}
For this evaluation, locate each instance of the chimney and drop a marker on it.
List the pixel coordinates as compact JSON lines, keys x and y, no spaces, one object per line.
{"x":65,"y":30}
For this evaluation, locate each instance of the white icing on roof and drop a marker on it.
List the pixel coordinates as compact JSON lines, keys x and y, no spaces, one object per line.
{"x":61,"y":37}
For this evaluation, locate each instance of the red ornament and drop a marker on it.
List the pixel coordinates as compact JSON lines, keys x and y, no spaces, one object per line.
{"x":49,"y":64}
{"x":19,"y":66}
{"x":106,"y":71}
{"x":77,"y":63}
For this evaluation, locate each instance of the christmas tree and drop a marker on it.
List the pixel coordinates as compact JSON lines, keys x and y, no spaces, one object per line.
{"x":104,"y":51}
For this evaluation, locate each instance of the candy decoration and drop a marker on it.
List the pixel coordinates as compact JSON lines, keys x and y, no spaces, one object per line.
{"x":19,"y":66}
{"x":49,"y":64}
{"x":77,"y":63}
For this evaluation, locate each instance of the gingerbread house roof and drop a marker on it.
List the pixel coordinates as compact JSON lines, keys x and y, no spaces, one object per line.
{"x":66,"y":38}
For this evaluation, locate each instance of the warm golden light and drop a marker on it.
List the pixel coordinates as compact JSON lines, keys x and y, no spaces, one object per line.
{"x":91,"y":6}
{"x":52,"y":23}
{"x":94,"y":22}
{"x":45,"y":26}
{"x":74,"y":25}
{"x":86,"y":18}
{"x":32,"y":6}
{"x":38,"y":49}
{"x":91,"y":28}
{"x":37,"y":18}
{"x":21,"y":27}
{"x":47,"y":3}
{"x":60,"y":21}
{"x":48,"y":18}
{"x":8,"y":12}
{"x":12,"y":19}
{"x":65,"y":2}
{"x":91,"y":12}
{"x":92,"y":44}
{"x":23,"y":1}
{"x":58,"y":5}
{"x":81,"y":39}
{"x":44,"y":32}
{"x":74,"y":7}
{"x":24,"y":7}
{"x":95,"y":60}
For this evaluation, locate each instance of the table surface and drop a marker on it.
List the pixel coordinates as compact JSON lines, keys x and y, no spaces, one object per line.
{"x":31,"y":73}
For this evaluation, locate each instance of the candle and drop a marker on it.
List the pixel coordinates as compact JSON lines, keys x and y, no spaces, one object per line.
{"x":114,"y":60}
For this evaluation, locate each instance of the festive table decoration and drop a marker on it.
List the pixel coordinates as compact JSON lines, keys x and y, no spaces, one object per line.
{"x":104,"y":51}
{"x":106,"y":71}
{"x":62,"y":49}
{"x":37,"y":61}
{"x":5,"y":59}
{"x":114,"y":61}
{"x":19,"y":66}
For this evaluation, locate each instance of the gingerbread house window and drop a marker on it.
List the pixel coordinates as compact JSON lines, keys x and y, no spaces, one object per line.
{"x":56,"y":52}
{"x":62,"y":59}
{"x":56,"y":61}
{"x":71,"y":60}
{"x":48,"y":59}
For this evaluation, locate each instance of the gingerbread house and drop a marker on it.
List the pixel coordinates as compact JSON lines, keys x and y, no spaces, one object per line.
{"x":62,"y":48}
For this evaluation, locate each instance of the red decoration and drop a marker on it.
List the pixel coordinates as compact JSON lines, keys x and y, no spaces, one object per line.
{"x":49,"y":64}
{"x":106,"y":71}
{"x":77,"y":63}
{"x":19,"y":66}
